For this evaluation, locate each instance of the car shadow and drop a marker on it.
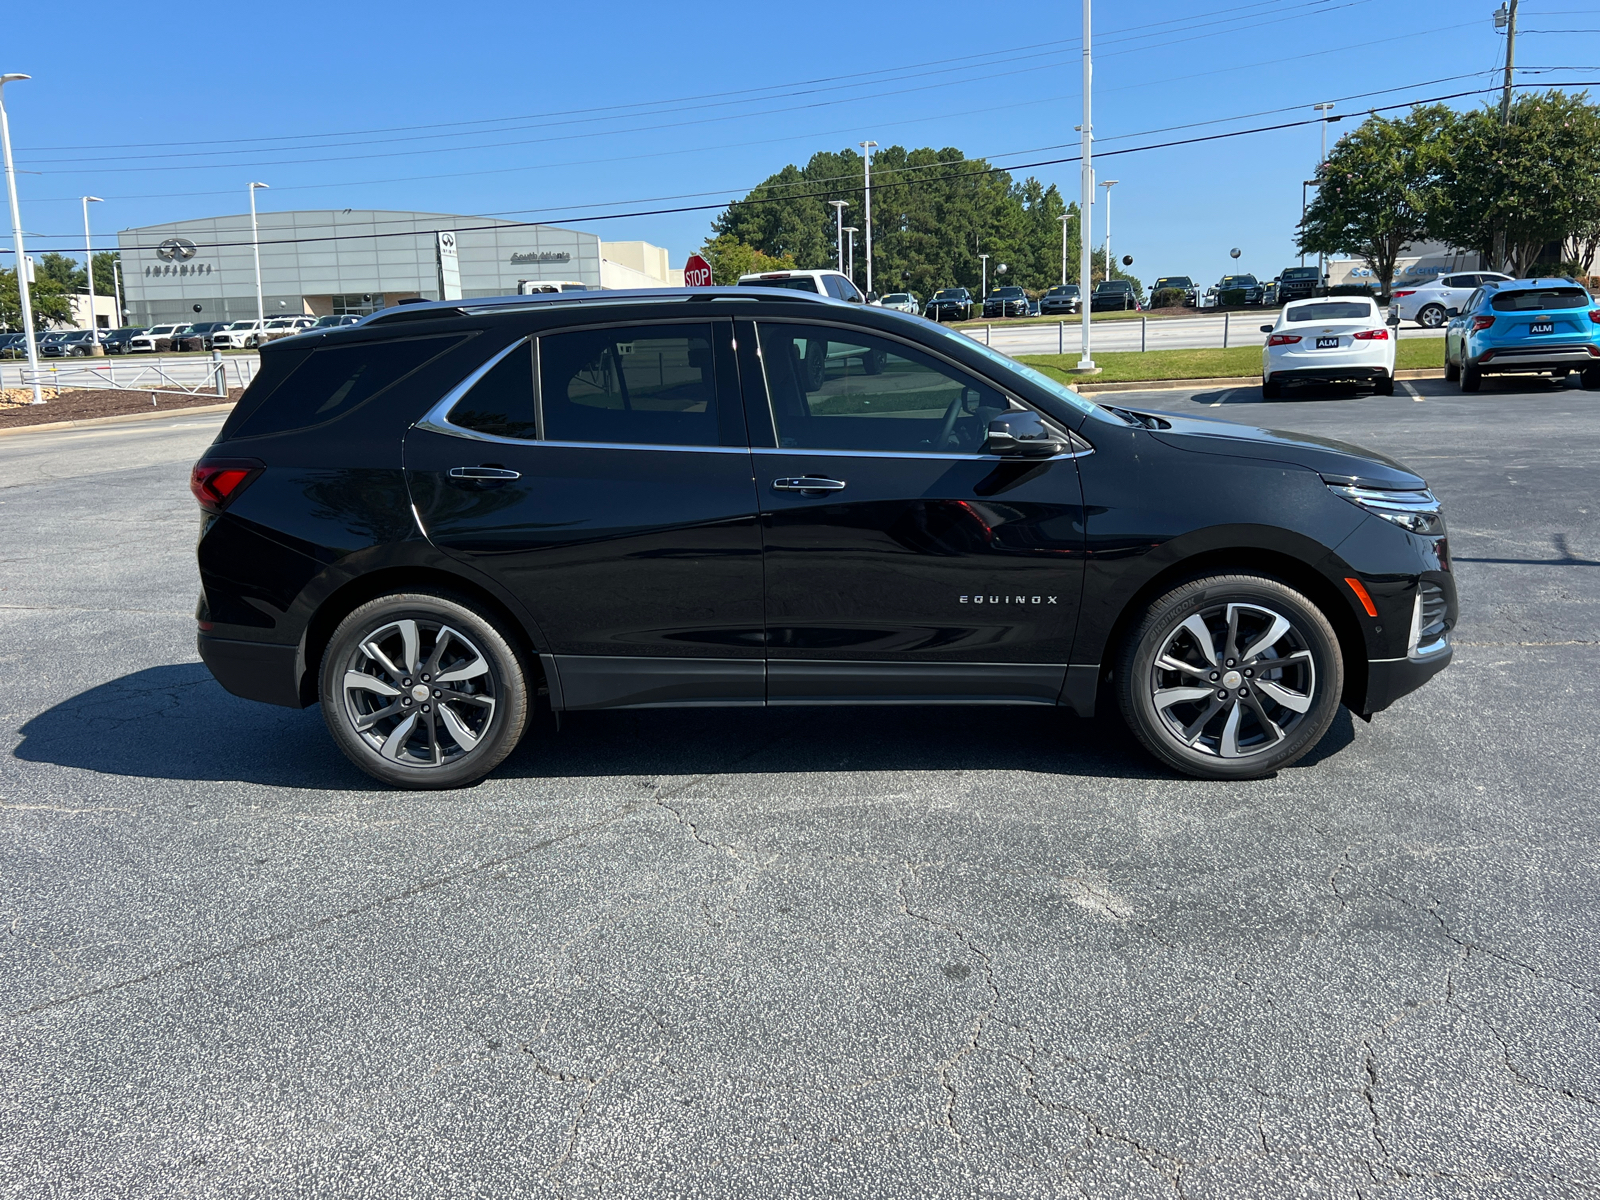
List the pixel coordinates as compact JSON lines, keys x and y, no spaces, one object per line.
{"x":176,"y":722}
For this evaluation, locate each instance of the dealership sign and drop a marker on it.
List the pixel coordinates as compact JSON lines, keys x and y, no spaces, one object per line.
{"x":540,"y":256}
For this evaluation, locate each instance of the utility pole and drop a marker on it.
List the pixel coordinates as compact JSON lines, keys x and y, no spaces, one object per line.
{"x":1507,"y":20}
{"x":838,"y":213}
{"x":866,"y":169}
{"x":16,"y":237}
{"x":1086,"y":201}
{"x":255,"y":246}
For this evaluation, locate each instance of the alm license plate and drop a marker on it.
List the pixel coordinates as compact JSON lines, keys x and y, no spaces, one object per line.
{"x":1329,"y":343}
{"x":1542,"y":327}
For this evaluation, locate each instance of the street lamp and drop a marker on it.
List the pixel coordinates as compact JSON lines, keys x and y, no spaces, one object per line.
{"x":1086,"y":195}
{"x":116,"y":282}
{"x":850,"y":232}
{"x":1065,"y":217}
{"x":88,"y":269}
{"x":1108,"y":184}
{"x":16,"y":237}
{"x":255,"y":246}
{"x":866,"y":168}
{"x":838,"y":214}
{"x":1321,"y":162}
{"x":983,"y":288}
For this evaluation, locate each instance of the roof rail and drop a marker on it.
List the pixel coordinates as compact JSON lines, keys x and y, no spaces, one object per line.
{"x":433,"y":309}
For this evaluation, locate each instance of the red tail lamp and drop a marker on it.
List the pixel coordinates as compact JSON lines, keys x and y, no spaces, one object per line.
{"x":215,"y":482}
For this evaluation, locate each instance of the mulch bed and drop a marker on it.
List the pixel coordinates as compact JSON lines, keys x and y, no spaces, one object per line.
{"x":87,"y":403}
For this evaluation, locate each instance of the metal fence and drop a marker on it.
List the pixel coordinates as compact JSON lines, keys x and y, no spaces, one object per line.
{"x":190,"y":376}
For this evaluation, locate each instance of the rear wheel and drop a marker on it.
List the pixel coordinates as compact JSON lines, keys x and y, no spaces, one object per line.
{"x":1432,"y":316}
{"x":423,"y":691}
{"x":1231,"y":677}
{"x":1271,"y":389}
{"x":1591,"y":379}
{"x":1384,"y":386}
{"x":1471,"y":379}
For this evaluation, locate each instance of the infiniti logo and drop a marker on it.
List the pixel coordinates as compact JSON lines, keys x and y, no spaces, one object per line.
{"x":176,"y":249}
{"x":1008,"y":599}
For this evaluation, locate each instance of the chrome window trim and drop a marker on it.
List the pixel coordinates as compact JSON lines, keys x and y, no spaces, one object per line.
{"x":796,"y":450}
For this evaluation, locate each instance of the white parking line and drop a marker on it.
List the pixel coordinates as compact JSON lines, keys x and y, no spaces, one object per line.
{"x":1411,"y":391}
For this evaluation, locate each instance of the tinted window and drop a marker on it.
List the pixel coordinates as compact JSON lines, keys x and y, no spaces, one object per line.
{"x":501,"y":403}
{"x":1333,"y":310}
{"x":1459,"y":281}
{"x":836,"y":390}
{"x":1539,"y":299}
{"x":835,"y":287}
{"x":796,"y":283}
{"x":649,"y":385}
{"x":335,"y":380}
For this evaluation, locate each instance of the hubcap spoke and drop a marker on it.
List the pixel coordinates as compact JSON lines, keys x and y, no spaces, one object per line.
{"x":470,"y":670}
{"x":408,"y":636}
{"x":446,"y":635}
{"x":1167,"y":663}
{"x":1191,"y":733}
{"x":1231,"y":648}
{"x":1229,"y":746}
{"x":368,"y":720}
{"x":1202,"y":636}
{"x":1294,"y":701}
{"x":1267,"y":640}
{"x":1267,"y":723}
{"x":397,"y":739}
{"x":464,"y":737}
{"x":419,"y":724}
{"x":371,"y":650}
{"x":1167,"y":697}
{"x":370,"y":683}
{"x":468,"y":698}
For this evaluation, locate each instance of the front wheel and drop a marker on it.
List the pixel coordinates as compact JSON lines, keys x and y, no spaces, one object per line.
{"x":1230,"y":677}
{"x":1431,"y":317}
{"x":423,"y":691}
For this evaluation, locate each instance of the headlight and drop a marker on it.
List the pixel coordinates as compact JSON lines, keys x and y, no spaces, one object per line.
{"x":1416,"y":512}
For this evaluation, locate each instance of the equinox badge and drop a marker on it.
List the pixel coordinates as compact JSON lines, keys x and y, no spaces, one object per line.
{"x":1008,"y":599}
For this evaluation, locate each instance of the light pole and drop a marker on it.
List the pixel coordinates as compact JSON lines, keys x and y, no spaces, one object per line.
{"x":838,"y":214}
{"x":866,"y":168}
{"x":1086,"y":203}
{"x":116,"y":282}
{"x":850,"y":232}
{"x":1065,"y":217}
{"x":1322,"y":266}
{"x":255,"y":245}
{"x":88,"y":269}
{"x":983,"y":288}
{"x":1108,"y":184}
{"x":16,"y":237}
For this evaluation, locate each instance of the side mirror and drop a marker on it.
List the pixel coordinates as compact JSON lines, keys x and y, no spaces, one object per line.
{"x":1266,"y":329}
{"x":1452,"y":312}
{"x":1022,"y":435}
{"x":1394,"y":321}
{"x":872,"y":297}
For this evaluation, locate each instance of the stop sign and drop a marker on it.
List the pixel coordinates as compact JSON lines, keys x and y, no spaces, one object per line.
{"x":696,"y":272}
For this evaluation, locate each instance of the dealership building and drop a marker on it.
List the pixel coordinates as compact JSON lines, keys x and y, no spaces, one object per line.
{"x":355,"y":261}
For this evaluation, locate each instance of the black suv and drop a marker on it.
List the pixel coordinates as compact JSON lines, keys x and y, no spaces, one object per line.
{"x":1006,"y":302}
{"x":1298,"y":283}
{"x":647,"y":499}
{"x":1114,"y":294}
{"x":950,"y":304}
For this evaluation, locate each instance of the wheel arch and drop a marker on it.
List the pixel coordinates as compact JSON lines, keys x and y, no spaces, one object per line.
{"x":345,"y":599}
{"x":1295,"y":572}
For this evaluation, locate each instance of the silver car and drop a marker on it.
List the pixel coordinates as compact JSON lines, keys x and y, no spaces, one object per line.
{"x":905,"y":302}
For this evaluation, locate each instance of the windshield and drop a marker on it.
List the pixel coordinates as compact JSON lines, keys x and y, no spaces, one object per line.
{"x":1059,"y":390}
{"x":1535,"y":299}
{"x":1069,"y":289}
{"x":1332,"y":310}
{"x":241,"y":325}
{"x":950,"y":294}
{"x":1173,"y":281}
{"x":1006,"y":291}
{"x":1114,"y":285}
{"x":1235,"y":281}
{"x":897,"y":298}
{"x":163,"y":329}
{"x":1299,"y":273}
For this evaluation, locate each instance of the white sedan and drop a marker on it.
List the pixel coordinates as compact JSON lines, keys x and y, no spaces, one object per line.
{"x":1341,"y":339}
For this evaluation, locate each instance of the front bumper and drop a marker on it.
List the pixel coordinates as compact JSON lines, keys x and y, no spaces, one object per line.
{"x":1389,"y":679}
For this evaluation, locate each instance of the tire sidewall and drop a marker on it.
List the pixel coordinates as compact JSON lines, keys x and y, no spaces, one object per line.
{"x":507,"y":670}
{"x":1170,"y":611}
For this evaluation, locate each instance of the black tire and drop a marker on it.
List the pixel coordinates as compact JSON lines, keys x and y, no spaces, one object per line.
{"x":452,"y":744}
{"x":1452,"y":371}
{"x":816,"y":363}
{"x":874,"y":361}
{"x":1271,"y":389}
{"x":1311,"y":672}
{"x":1383,"y":386}
{"x":1470,"y":379}
{"x":1590,"y":379}
{"x":1432,"y":316}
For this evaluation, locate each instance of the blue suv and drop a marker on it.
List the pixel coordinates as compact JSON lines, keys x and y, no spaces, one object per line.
{"x":1524,"y":326}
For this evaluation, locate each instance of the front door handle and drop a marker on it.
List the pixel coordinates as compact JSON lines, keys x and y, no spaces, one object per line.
{"x":484,"y":473}
{"x":809,"y":484}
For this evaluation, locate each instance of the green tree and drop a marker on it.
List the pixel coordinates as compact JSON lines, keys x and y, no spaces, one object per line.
{"x":60,"y":273}
{"x":1381,"y":189}
{"x":731,"y":258}
{"x":104,"y":283}
{"x":49,"y":302}
{"x":1514,"y":190}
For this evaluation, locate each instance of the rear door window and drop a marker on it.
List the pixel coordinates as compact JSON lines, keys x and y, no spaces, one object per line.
{"x":651,"y":385}
{"x":335,"y":380}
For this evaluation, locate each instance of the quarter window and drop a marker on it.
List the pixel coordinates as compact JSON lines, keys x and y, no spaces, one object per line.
{"x":836,"y":390}
{"x":644,"y":384}
{"x":502,"y":403}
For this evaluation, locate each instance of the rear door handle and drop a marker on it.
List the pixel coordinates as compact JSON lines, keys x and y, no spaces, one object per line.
{"x":483,"y":473}
{"x":816,"y":484}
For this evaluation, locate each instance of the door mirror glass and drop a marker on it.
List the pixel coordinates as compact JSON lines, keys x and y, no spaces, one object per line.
{"x":1452,"y":312}
{"x":1022,"y":435}
{"x":1394,"y":321}
{"x":1266,"y":329}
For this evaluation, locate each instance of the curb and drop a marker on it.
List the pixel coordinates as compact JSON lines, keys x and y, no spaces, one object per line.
{"x":119,"y":419}
{"x":1178,"y":385}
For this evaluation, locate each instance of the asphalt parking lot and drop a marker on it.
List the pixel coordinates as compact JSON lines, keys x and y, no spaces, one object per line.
{"x":830,"y":953}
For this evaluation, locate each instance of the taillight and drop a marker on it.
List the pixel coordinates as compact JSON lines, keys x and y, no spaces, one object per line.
{"x":1398,"y":295}
{"x":1594,"y":315}
{"x":215,"y":483}
{"x":1283,"y":339}
{"x":1373,"y":335}
{"x":1479,"y":324}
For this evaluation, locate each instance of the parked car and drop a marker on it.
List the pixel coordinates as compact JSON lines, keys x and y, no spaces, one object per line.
{"x":818,"y":283}
{"x":335,"y":322}
{"x":1234,"y":290}
{"x":1061,"y":299}
{"x":1335,"y":339}
{"x":155,"y":340}
{"x":1524,"y":326}
{"x":539,"y":420}
{"x":282,"y":327}
{"x":116,"y":341}
{"x":13,"y":345}
{"x":236,"y":335}
{"x":72,"y":343}
{"x":905,"y":302}
{"x":197,"y":336}
{"x":1173,"y":283}
{"x":1295,"y":283}
{"x":1427,"y":304}
{"x":1113,"y":294}
{"x":950,"y":304}
{"x":1006,"y":302}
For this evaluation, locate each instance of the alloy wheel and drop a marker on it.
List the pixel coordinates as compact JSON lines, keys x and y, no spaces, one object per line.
{"x":419,"y":693}
{"x":1233,"y":680}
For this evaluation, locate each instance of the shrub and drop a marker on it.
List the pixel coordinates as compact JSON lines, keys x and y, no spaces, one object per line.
{"x":1167,"y":298}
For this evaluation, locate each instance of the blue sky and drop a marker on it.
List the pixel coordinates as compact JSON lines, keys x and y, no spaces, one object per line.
{"x":557,"y":112}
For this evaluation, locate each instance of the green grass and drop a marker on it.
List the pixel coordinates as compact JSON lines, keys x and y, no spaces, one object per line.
{"x":1124,"y":315}
{"x":1237,"y":362}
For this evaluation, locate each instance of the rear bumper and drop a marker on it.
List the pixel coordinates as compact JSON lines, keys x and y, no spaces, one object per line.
{"x":1389,"y":679}
{"x":1503,"y":360}
{"x":254,"y":670}
{"x":1328,"y":374}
